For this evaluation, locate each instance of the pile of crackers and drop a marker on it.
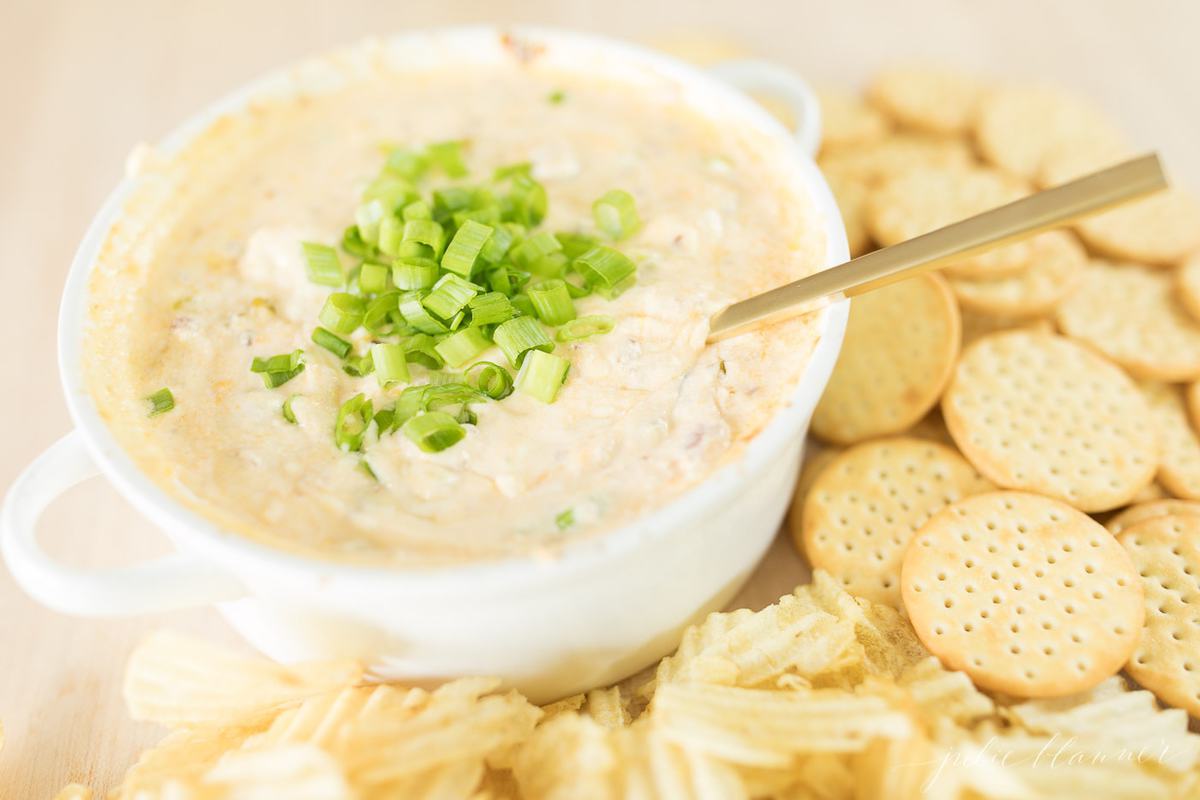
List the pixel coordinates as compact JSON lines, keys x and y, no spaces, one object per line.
{"x":1002,"y":519}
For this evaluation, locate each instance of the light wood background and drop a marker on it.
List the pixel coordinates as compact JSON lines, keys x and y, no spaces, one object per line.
{"x":82,"y":82}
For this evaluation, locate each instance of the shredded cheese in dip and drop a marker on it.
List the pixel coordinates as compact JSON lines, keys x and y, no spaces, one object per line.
{"x":204,"y":271}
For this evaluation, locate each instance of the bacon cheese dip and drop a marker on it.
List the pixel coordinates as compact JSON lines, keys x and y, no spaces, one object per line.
{"x":206,"y":272}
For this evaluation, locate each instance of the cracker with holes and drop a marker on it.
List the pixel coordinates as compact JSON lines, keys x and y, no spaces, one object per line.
{"x":1187,"y":286}
{"x":865,"y":506}
{"x":897,"y":155}
{"x":1161,"y":230}
{"x":1130,"y":314}
{"x":920,"y":201}
{"x":928,"y":98}
{"x":847,"y":120}
{"x":1153,"y":509}
{"x":1056,"y":264}
{"x":1023,"y":593}
{"x":1038,"y":412}
{"x":1179,"y":467}
{"x":1166,"y":553}
{"x":900,"y":346}
{"x":851,"y":196}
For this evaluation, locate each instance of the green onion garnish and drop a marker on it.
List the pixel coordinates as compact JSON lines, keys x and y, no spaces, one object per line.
{"x":585,"y":327}
{"x":542,"y":375}
{"x":463,"y":250}
{"x":448,"y":156}
{"x":351,"y":425}
{"x":352,"y":243}
{"x":616,"y":214}
{"x":519,"y":336}
{"x":556,"y":97}
{"x":460,"y":347}
{"x":391,"y":363}
{"x":391,"y":191}
{"x":526,"y":201}
{"x":407,"y":164}
{"x":497,"y":245}
{"x":418,"y":209}
{"x":608,"y":271}
{"x":161,"y":402}
{"x":383,"y":316}
{"x":534,"y":249}
{"x":373,"y":278}
{"x":434,"y":431}
{"x":575,"y":244}
{"x":565,"y":519}
{"x":323,"y":265}
{"x":450,"y":295}
{"x":288,"y":413}
{"x":490,"y":308}
{"x":421,"y":349}
{"x":342,"y":312}
{"x":551,"y":302}
{"x":415,"y":273}
{"x":491,"y":379}
{"x":523,"y":305}
{"x":331,"y":342}
{"x":391,"y":235}
{"x":278,"y":370}
{"x":360,"y":366}
{"x":509,"y":170}
{"x":418,"y":317}
{"x":369,"y":217}
{"x":427,"y":234}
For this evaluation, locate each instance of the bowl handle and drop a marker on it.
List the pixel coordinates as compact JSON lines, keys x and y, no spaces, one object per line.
{"x":164,"y":584}
{"x":763,"y":77}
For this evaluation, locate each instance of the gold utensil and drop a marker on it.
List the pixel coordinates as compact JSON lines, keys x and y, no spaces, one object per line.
{"x":1000,"y":226}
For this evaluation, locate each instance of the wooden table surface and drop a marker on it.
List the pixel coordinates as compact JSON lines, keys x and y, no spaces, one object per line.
{"x":84,"y":81}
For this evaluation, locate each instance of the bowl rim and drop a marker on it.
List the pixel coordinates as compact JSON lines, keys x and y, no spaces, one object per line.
{"x":194,"y":533}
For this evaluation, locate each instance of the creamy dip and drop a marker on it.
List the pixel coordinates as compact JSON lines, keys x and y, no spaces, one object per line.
{"x":204,"y":271}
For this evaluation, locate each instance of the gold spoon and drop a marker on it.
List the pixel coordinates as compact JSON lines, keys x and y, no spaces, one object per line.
{"x":1052,"y":208}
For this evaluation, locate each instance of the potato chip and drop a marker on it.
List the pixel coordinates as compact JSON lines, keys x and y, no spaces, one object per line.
{"x":942,"y":693}
{"x":74,"y":791}
{"x":606,"y":707}
{"x":297,"y":772}
{"x":823,"y":776}
{"x":170,"y":679}
{"x":770,"y":728}
{"x":567,"y":758}
{"x":183,"y":756}
{"x":321,"y":720}
{"x":568,"y":705}
{"x":894,"y":769}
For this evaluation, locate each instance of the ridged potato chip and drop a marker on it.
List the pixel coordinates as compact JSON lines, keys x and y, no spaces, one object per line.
{"x":182,"y":757}
{"x":297,"y":772}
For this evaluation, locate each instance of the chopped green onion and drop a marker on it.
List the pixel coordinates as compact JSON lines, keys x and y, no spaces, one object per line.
{"x":434,"y":431}
{"x":407,"y":164}
{"x":616,"y":214}
{"x":575,"y":244}
{"x":365,"y":467}
{"x":491,"y":379}
{"x":457,"y":320}
{"x":556,"y":97}
{"x":415,"y":273}
{"x":565,"y":519}
{"x":534,"y":249}
{"x":542,"y":375}
{"x":352,"y":243}
{"x":450,"y":295}
{"x":288,"y":413}
{"x":278,"y":370}
{"x":351,"y":425}
{"x":369,"y":217}
{"x":424,"y":232}
{"x":452,"y":198}
{"x":391,"y":364}
{"x":463,"y":250}
{"x":418,"y":209}
{"x":551,"y":266}
{"x":373,"y":278}
{"x":359,"y":367}
{"x":526,"y":201}
{"x":323,"y":265}
{"x":551,"y":302}
{"x":420,"y":349}
{"x":161,"y":402}
{"x":585,"y":327}
{"x":383,"y":316}
{"x":331,"y":342}
{"x":389,"y":190}
{"x":448,"y":156}
{"x":490,"y":308}
{"x":523,"y":305}
{"x":342,"y":312}
{"x":459,"y":348}
{"x":577,"y":289}
{"x":391,"y":235}
{"x":415,"y":314}
{"x":509,"y":170}
{"x":606,"y":270}
{"x":497,"y":245}
{"x":499,"y":281}
{"x":486,"y":215}
{"x":519,"y":336}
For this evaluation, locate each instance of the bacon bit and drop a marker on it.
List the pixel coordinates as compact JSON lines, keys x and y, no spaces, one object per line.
{"x":523,"y":51}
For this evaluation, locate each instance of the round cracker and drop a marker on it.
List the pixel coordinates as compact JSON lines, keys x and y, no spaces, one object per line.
{"x":1023,"y":593}
{"x":1160,"y":230}
{"x":1141,"y":512}
{"x":1066,"y":163}
{"x":897,"y":155}
{"x":920,"y":201}
{"x":1130,"y":314}
{"x":1166,"y":553}
{"x":1179,"y":467}
{"x":851,"y":196}
{"x":864,"y":508}
{"x":847,"y":120}
{"x":901,"y":344}
{"x":1055,"y":267}
{"x":1187,"y":286}
{"x":1018,"y":127}
{"x":1038,"y":412}
{"x":975,"y":326}
{"x":928,"y":98}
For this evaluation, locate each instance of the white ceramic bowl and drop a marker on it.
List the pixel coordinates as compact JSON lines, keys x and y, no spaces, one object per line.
{"x":608,"y":607}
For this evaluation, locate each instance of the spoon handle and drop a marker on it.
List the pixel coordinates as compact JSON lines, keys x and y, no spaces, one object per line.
{"x":1052,"y":208}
